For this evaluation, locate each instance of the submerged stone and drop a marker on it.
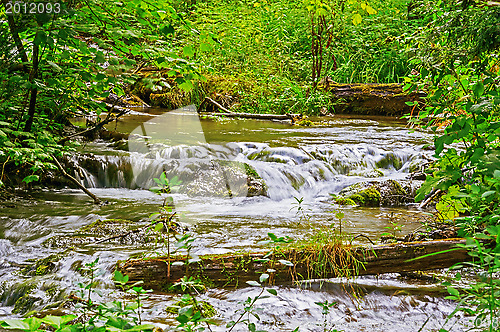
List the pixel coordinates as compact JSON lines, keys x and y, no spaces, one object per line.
{"x":43,"y":266}
{"x":117,"y":231}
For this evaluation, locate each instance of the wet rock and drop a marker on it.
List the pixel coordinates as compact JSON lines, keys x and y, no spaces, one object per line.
{"x":378,"y":193}
{"x":224,"y":178}
{"x":30,"y":294}
{"x":390,"y":160}
{"x":117,"y":231}
{"x":368,"y":173}
{"x":43,"y":266}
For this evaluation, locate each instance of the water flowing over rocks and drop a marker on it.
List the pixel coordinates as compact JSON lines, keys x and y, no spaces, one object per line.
{"x":245,"y":169}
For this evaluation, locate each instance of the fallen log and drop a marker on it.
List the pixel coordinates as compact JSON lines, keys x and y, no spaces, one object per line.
{"x":371,"y":98}
{"x":257,"y":116}
{"x":292,"y":265}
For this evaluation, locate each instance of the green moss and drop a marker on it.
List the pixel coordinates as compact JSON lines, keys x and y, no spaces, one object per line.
{"x":43,"y":266}
{"x":25,"y":303}
{"x":388,"y":160}
{"x":305,"y":123}
{"x":344,"y":201}
{"x":366,"y":197}
{"x":207,"y":310}
{"x":251,"y":171}
{"x":99,"y":224}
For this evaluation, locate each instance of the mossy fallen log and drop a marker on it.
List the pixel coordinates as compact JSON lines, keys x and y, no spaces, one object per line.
{"x":371,"y":98}
{"x":233,"y":270}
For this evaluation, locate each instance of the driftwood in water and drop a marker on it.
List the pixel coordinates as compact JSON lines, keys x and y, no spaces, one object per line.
{"x":228,"y":113}
{"x":371,"y":98}
{"x":234,"y":270}
{"x":75,"y":181}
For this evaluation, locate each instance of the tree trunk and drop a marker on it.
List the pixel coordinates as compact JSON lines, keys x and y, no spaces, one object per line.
{"x":33,"y":90}
{"x":235,"y":270}
{"x":15,"y":35}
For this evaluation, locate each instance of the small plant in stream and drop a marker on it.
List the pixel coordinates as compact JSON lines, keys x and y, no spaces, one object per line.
{"x":164,"y":218}
{"x":394,"y":228}
{"x":340,"y":217}
{"x":481,"y":299}
{"x":325,"y":310}
{"x":86,"y":289}
{"x":191,"y":315}
{"x":249,"y":309}
{"x":301,"y":210}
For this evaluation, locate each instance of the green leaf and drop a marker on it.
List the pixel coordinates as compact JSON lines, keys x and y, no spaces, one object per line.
{"x":356,"y":19}
{"x":188,"y":51}
{"x":478,"y":89}
{"x":99,"y":57}
{"x":168,"y":29}
{"x":272,"y":291}
{"x":370,"y":10}
{"x":488,"y":193}
{"x":179,"y":263}
{"x":15,"y":324}
{"x":54,"y":66}
{"x":31,"y":178}
{"x":285,"y":262}
{"x":253,"y":283}
{"x":263,"y":277}
{"x":453,"y":291}
{"x":114,"y":61}
{"x":58,"y":321}
{"x":186,"y":86}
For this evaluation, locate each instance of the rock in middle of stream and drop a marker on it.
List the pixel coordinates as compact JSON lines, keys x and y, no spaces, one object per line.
{"x":116,"y":231}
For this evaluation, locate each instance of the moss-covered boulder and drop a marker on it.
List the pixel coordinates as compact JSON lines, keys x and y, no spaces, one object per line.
{"x":378,"y":193}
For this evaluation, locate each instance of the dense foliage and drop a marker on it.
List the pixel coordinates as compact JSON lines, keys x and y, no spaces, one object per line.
{"x":458,"y":59}
{"x":58,"y":65}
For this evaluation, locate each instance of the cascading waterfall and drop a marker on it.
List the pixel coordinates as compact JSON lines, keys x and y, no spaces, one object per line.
{"x":285,"y":170}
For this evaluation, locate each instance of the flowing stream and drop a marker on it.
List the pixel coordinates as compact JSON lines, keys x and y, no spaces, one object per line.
{"x":226,"y":212}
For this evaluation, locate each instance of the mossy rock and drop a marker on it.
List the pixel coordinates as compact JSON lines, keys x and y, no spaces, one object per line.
{"x":390,"y":160}
{"x":366,"y":197}
{"x":25,"y":303}
{"x":305,"y":123}
{"x":207,"y":310}
{"x":106,"y":228}
{"x":343,"y":200}
{"x":370,"y":173}
{"x":11,"y":291}
{"x":32,"y":294}
{"x":377,"y":193}
{"x":43,"y":266}
{"x":225,"y":178}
